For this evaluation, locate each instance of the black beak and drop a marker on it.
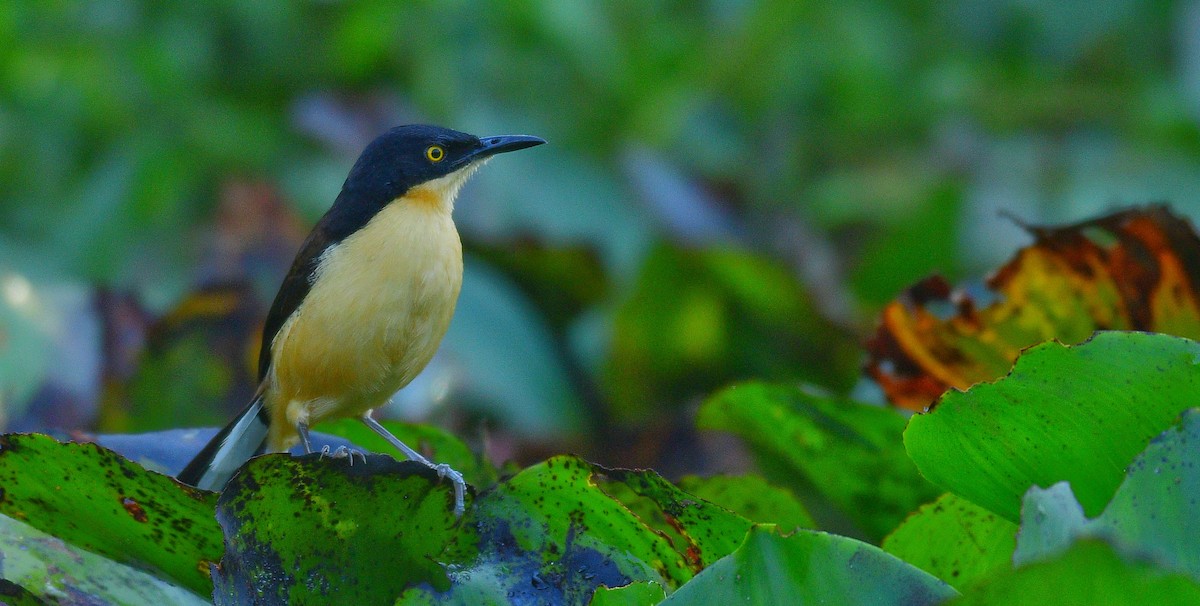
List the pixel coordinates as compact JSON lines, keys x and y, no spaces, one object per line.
{"x":499,"y":144}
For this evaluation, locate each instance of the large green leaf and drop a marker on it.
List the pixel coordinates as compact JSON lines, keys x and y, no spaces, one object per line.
{"x":1152,"y":514}
{"x":1090,"y":573}
{"x":809,"y":567}
{"x":751,"y":497}
{"x":1077,"y":413}
{"x":49,"y":569}
{"x":955,"y":540}
{"x":558,"y":530}
{"x":850,"y":452}
{"x":94,"y":498}
{"x":300,"y":530}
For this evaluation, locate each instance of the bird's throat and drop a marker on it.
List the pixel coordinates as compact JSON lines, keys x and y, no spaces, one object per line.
{"x":440,"y":193}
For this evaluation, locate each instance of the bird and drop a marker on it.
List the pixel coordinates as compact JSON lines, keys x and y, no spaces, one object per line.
{"x":366,"y":301}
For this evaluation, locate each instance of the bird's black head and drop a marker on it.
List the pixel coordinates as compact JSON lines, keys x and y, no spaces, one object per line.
{"x":407,"y":156}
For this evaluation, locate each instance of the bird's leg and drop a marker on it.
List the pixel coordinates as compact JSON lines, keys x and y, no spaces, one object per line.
{"x":302,"y":429}
{"x":443,"y":470}
{"x":326,"y":451}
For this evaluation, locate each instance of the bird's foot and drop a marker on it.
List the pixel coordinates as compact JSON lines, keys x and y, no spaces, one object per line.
{"x":342,"y":452}
{"x":443,"y":470}
{"x":460,"y":486}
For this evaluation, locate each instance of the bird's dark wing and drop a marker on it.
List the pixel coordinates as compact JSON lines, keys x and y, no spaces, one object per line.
{"x":350,"y":212}
{"x":293,"y":290}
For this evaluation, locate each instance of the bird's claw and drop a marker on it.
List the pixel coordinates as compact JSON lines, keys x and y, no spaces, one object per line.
{"x":342,"y":452}
{"x":460,"y":486}
{"x":445,"y":471}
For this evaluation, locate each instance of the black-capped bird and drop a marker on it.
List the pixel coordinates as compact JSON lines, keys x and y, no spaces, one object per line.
{"x":366,"y":302}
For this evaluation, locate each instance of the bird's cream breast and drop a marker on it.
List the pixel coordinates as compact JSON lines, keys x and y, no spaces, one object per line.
{"x":380,"y":302}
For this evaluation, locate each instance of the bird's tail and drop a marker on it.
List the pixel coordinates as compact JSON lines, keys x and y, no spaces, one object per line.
{"x":241,"y":439}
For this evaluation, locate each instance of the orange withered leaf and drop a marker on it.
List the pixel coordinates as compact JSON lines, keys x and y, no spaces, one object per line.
{"x":1137,"y":269}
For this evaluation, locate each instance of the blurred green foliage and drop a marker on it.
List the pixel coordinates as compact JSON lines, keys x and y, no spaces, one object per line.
{"x":698,"y":320}
{"x":732,"y":187}
{"x":132,"y":112}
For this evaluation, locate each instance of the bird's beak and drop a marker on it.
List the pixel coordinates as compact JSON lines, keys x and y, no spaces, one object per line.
{"x":499,"y":144}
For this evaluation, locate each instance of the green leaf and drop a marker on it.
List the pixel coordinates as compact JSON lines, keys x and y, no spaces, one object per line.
{"x":810,"y":567}
{"x":849,"y":452}
{"x":93,"y":498}
{"x":1155,"y":509}
{"x":300,"y":530}
{"x":12,"y":594}
{"x":954,"y":540}
{"x":700,"y":319}
{"x":1090,"y":573}
{"x":1077,"y":413}
{"x":641,"y":593}
{"x":699,"y":531}
{"x":1151,"y":515}
{"x":557,"y":531}
{"x":51,"y":569}
{"x":438,"y":445}
{"x":751,"y":497}
{"x":1051,"y":519}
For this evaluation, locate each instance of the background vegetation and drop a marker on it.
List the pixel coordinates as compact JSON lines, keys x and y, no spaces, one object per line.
{"x":732,"y":191}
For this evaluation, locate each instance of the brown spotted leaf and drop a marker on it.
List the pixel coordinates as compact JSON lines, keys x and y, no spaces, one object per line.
{"x":1137,"y":269}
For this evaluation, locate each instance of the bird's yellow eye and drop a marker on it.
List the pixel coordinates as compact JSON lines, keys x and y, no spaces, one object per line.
{"x":435,"y":153}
